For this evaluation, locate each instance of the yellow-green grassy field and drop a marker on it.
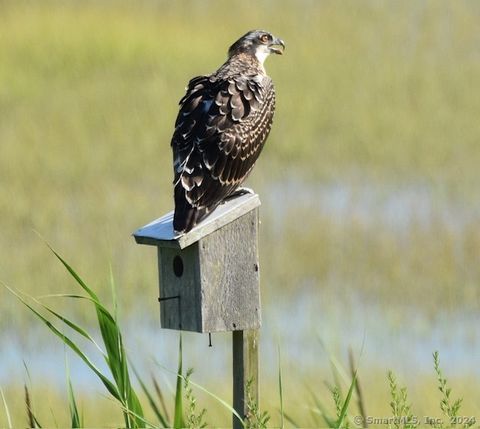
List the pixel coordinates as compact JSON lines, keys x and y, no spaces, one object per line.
{"x":378,"y":99}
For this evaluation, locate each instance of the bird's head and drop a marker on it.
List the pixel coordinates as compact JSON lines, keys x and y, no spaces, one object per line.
{"x":258,"y":43}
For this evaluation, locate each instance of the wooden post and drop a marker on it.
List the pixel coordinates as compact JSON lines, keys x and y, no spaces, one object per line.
{"x":245,"y":370}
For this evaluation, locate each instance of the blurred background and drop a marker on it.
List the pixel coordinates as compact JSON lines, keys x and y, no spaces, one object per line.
{"x":370,"y":189}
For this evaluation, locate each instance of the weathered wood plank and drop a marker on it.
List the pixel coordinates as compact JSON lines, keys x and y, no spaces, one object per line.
{"x":180,"y":292}
{"x":230,"y":276}
{"x":160,"y":231}
{"x":245,"y":369}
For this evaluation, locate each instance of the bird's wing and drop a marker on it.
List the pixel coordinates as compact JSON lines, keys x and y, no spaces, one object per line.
{"x":220,"y":131}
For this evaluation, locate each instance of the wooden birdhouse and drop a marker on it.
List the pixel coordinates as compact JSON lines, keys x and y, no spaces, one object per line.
{"x":209,"y":277}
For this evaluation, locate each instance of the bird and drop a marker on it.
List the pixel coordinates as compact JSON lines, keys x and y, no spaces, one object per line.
{"x":222,"y":125}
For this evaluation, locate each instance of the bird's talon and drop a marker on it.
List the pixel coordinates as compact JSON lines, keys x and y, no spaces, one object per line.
{"x":238,"y":192}
{"x":244,"y":190}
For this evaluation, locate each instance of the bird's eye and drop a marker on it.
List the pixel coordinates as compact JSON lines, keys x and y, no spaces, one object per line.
{"x":265,"y":38}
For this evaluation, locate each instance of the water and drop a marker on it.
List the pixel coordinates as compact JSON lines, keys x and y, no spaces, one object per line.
{"x":298,"y":327}
{"x":395,"y":206}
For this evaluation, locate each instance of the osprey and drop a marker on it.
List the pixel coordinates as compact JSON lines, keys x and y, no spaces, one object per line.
{"x":221,"y":128}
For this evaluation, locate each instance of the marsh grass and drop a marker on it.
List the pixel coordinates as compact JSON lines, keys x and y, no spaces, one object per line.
{"x":255,"y":418}
{"x":186,"y":413}
{"x":114,"y":355}
{"x":31,"y":418}
{"x":450,"y":407}
{"x":195,"y":418}
{"x":76,"y":417}
{"x":404,"y":417}
{"x":6,"y":410}
{"x":400,"y":407}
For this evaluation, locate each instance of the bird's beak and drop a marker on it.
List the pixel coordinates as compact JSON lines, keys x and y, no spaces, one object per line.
{"x":277,"y":46}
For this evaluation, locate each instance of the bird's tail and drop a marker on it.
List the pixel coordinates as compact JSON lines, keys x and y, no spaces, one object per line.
{"x":186,"y":216}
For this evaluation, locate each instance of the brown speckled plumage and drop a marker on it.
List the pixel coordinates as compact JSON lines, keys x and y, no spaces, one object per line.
{"x":221,"y":128}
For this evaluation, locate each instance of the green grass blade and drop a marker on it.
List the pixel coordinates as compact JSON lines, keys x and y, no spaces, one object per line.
{"x":293,"y":422}
{"x":75,"y":419}
{"x":113,"y":288}
{"x":319,"y":419}
{"x":63,"y":295}
{"x":358,"y":389}
{"x":162,"y":419}
{"x":68,"y":322}
{"x":322,"y":411}
{"x":108,"y":384}
{"x":71,"y":324}
{"x":336,"y":364}
{"x":102,"y":312}
{"x":32,"y":419}
{"x":74,"y":275}
{"x":118,"y":364}
{"x":178,"y":421}
{"x":280,"y":390}
{"x":159,"y":393}
{"x":336,"y":378}
{"x":139,"y":420}
{"x":115,"y":353}
{"x":7,"y":411}
{"x":218,"y":399}
{"x":347,"y":402}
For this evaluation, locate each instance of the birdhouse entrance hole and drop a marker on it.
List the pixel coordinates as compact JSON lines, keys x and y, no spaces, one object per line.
{"x":178,"y":266}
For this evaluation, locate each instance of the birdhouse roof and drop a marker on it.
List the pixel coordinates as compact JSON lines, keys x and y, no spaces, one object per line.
{"x":160,"y":232}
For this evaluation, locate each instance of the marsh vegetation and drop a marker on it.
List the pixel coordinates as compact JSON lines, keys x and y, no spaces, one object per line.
{"x":369,"y":184}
